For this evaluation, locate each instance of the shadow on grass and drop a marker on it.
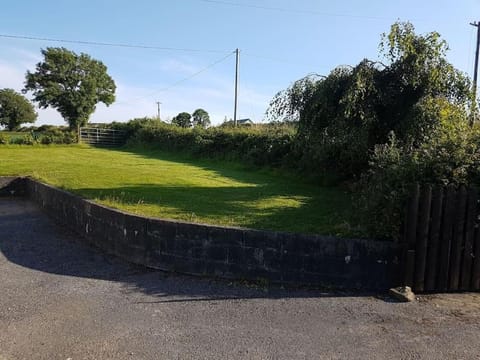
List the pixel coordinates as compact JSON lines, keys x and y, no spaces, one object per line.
{"x":266,"y":207}
{"x":261,"y":200}
{"x":30,"y":240}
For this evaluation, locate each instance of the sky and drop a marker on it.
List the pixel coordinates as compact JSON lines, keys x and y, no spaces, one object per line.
{"x":192,"y":62}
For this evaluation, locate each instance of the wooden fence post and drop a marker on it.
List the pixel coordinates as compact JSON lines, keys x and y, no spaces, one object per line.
{"x":422,"y":238}
{"x":434,"y":239}
{"x":411,"y":220}
{"x":469,"y":238}
{"x":445,"y":239}
{"x":457,"y":239}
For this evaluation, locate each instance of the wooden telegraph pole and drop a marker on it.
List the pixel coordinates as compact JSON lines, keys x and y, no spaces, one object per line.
{"x":158,"y":109}
{"x":475,"y":71}
{"x":237,"y":55}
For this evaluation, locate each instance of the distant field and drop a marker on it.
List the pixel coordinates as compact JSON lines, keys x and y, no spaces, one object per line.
{"x":172,"y":186}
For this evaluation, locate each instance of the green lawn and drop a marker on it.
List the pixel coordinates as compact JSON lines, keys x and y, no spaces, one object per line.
{"x":175,"y":186}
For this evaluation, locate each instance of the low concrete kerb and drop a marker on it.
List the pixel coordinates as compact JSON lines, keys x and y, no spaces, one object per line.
{"x":208,"y":250}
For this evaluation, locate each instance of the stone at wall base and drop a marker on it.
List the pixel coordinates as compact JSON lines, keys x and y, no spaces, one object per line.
{"x":402,"y":293}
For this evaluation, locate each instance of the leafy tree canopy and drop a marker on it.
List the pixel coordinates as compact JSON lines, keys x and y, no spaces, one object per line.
{"x":345,"y":114}
{"x":71,"y":83}
{"x":15,"y":109}
{"x":183,"y":120}
{"x":201,"y":118}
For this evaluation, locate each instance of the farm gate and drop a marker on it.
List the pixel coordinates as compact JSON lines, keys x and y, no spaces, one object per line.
{"x":102,"y":136}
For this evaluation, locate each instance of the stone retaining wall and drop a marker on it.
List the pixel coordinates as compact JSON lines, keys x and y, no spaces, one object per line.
{"x":218,"y":251}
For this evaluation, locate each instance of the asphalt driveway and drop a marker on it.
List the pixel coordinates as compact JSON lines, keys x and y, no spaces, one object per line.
{"x":61,"y":299}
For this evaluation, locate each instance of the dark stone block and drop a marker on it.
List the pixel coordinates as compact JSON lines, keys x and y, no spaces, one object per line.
{"x":196,"y":253}
{"x":236,"y":255}
{"x":323,"y":265}
{"x":218,"y":236}
{"x":116,"y":219}
{"x":189,"y":266}
{"x":254,"y":257}
{"x":161,"y":235}
{"x":136,"y":230}
{"x":292,"y":262}
{"x":260,"y":239}
{"x":130,"y":253}
{"x":272,"y":259}
{"x":216,"y":253}
{"x":98,"y":211}
{"x":192,"y":233}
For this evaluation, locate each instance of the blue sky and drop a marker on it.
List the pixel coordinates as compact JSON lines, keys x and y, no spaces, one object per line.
{"x":280,"y":41}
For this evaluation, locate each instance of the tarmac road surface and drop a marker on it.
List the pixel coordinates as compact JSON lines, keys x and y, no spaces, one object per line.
{"x":61,"y":299}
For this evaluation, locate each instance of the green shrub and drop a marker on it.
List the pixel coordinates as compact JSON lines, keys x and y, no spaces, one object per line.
{"x":48,"y":134}
{"x":450,"y":156}
{"x":3,"y":139}
{"x":26,"y":139}
{"x":268,"y":146}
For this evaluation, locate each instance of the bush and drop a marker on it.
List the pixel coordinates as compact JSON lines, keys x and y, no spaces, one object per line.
{"x":26,"y":139}
{"x":450,"y":156}
{"x":3,"y":139}
{"x":262,"y":146}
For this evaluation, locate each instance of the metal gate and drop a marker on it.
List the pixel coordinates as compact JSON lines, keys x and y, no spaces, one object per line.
{"x":102,"y":136}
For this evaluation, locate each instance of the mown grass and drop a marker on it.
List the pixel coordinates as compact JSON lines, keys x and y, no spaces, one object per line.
{"x":176,"y":186}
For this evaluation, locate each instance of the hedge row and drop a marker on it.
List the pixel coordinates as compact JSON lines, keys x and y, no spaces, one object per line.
{"x":271,"y":146}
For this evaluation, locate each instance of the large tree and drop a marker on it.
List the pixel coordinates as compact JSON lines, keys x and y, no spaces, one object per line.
{"x":15,"y":109}
{"x":71,"y":83}
{"x":201,"y":118}
{"x":343,"y":116}
{"x":183,"y":120}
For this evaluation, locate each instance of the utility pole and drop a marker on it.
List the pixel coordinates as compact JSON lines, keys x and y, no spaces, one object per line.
{"x":237,"y":56}
{"x":475,"y":72}
{"x":158,"y":109}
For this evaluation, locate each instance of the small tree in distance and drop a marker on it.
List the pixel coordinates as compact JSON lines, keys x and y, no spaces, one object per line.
{"x":15,"y":109}
{"x":200,"y":118}
{"x":183,"y":120}
{"x":73,"y":84}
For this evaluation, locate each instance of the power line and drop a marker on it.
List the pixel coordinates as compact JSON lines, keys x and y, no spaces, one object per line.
{"x":182,"y":80}
{"x":96,"y":43}
{"x":311,"y":12}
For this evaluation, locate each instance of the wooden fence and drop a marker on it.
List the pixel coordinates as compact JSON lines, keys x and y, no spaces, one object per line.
{"x":442,"y":238}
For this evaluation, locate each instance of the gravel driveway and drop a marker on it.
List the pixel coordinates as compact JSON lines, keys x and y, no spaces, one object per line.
{"x":61,"y":299}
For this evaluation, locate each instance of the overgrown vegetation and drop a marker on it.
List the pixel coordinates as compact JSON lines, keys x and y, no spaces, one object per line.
{"x":45,"y":134}
{"x":266,"y":145}
{"x":386,"y":125}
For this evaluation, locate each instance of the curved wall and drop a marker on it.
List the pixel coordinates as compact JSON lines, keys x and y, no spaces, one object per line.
{"x":219,"y":251}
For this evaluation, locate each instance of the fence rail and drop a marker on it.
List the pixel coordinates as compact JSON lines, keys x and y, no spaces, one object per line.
{"x":442,"y":238}
{"x":102,"y":137}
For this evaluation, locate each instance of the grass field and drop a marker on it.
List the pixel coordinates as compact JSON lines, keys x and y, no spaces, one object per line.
{"x":175,"y":186}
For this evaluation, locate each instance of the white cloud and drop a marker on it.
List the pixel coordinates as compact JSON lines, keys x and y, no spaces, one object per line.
{"x":11,"y":76}
{"x":210,"y":91}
